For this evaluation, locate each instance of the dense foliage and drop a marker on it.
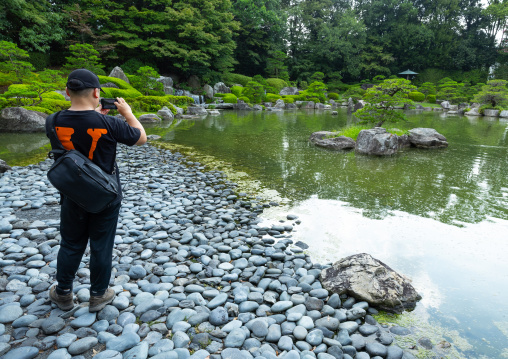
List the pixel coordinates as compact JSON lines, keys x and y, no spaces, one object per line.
{"x":346,"y":41}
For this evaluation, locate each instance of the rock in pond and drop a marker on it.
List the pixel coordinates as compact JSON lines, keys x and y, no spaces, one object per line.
{"x":369,"y":279}
{"x":427,"y":138}
{"x":377,"y":141}
{"x":326,"y":139}
{"x":17,"y":119}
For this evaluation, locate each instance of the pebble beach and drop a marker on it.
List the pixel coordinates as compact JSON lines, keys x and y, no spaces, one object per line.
{"x":196,"y":275}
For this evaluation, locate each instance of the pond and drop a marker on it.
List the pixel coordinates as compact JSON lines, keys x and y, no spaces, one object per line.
{"x":439,"y":217}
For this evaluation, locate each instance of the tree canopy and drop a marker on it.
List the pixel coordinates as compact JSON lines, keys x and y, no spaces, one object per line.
{"x":346,"y":40}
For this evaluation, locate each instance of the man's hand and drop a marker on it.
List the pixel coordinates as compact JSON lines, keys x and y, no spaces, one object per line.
{"x":100,"y":110}
{"x":123,"y":107}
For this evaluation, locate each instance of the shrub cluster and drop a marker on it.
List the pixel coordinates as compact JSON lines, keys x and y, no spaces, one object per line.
{"x":271,"y":97}
{"x":233,"y":79}
{"x":230,"y":98}
{"x":417,"y":96}
{"x":431,"y":98}
{"x":237,"y":90}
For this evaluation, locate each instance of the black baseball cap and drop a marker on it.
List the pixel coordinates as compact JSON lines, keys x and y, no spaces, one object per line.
{"x":83,"y":79}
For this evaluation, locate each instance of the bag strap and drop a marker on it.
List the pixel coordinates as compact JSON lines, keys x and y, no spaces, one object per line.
{"x":56,"y":145}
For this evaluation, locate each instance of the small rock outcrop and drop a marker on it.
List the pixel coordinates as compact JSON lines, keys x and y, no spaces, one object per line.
{"x":473,"y":112}
{"x":18,"y":119}
{"x":377,"y":141}
{"x":321,"y":139}
{"x":149,"y":118}
{"x":165,"y":114}
{"x":291,"y":106}
{"x":289,"y":91}
{"x":308,"y":105}
{"x":427,"y":138}
{"x":220,"y":87}
{"x":360,"y":104}
{"x":279,"y":104}
{"x":167,"y":83}
{"x":118,"y":73}
{"x":350,"y":106}
{"x":208,"y":90}
{"x":503,"y":114}
{"x":242,"y":106}
{"x":369,"y":279}
{"x":491,"y":113}
{"x":196,"y":110}
{"x":445,"y":105}
{"x":194,"y":82}
{"x":4,"y":167}
{"x":319,"y":106}
{"x":257,"y":108}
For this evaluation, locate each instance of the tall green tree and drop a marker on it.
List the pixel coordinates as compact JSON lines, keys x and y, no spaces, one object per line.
{"x":84,"y":56}
{"x":13,"y":60}
{"x":262,"y":26}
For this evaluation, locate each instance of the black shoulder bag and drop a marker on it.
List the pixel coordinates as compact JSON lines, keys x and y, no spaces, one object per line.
{"x":78,"y":178}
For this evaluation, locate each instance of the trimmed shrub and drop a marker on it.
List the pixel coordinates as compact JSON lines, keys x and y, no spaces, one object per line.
{"x":219,"y":95}
{"x":289,"y":100}
{"x":151,"y":103}
{"x":230,"y":98}
{"x":39,"y":109}
{"x":416,"y":96}
{"x":237,"y":90}
{"x":431,"y":98}
{"x":244,"y":99}
{"x":277,"y":84}
{"x":294,"y":97}
{"x":111,"y":92}
{"x":356,"y":93}
{"x":233,"y":79}
{"x":271,"y":97}
{"x":54,"y":105}
{"x":54,"y":95}
{"x":120,"y":83}
{"x":333,"y":96}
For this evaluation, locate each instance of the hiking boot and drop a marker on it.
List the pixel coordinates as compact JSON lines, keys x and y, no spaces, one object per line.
{"x":64,"y":302}
{"x":98,"y":302}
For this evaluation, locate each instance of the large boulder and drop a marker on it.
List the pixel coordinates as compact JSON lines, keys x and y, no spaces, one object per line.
{"x":165,"y":114}
{"x":279,"y":104}
{"x":427,"y":138}
{"x":491,"y":113}
{"x":308,"y":105}
{"x":220,"y":87}
{"x":18,"y":119}
{"x":503,"y":114}
{"x":4,"y":167}
{"x":360,"y":104}
{"x":208,"y":90}
{"x":473,"y":112}
{"x":445,"y":105}
{"x":291,"y":106}
{"x":196,"y":110}
{"x":149,"y":118}
{"x":119,"y":74}
{"x":368,"y":279}
{"x":377,"y":141}
{"x":325,"y":139}
{"x":319,"y":106}
{"x":167,"y":83}
{"x":289,"y":91}
{"x":242,"y":106}
{"x":257,"y":108}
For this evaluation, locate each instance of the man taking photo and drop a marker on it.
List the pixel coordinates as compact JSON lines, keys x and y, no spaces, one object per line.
{"x":86,"y":128}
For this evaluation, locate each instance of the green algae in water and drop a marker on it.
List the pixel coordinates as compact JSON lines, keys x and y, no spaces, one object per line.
{"x":245,"y":182}
{"x":421,"y":328}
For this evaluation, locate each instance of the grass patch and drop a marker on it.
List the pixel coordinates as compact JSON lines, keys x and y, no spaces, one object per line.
{"x":354,"y":131}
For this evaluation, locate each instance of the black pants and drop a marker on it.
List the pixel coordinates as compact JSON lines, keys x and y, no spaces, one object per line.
{"x":76,"y":227}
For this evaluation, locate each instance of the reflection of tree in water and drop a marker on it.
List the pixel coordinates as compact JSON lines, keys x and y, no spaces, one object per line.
{"x":463,"y":183}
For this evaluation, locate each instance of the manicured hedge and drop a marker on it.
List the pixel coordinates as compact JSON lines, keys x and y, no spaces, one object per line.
{"x":54,"y":95}
{"x":417,"y":96}
{"x":237,"y":90}
{"x":431,"y":98}
{"x":233,"y":79}
{"x":230,"y":98}
{"x":244,"y":99}
{"x":155,"y":103}
{"x":277,"y":84}
{"x":333,"y":96}
{"x":271,"y":97}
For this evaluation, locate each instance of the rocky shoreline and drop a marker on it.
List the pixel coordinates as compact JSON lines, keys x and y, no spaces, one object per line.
{"x":196,"y":276}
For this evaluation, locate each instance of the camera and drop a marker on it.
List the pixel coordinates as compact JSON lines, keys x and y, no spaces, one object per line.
{"x":108,"y":103}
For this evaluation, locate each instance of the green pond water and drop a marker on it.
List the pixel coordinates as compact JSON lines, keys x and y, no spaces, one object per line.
{"x":439,"y":217}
